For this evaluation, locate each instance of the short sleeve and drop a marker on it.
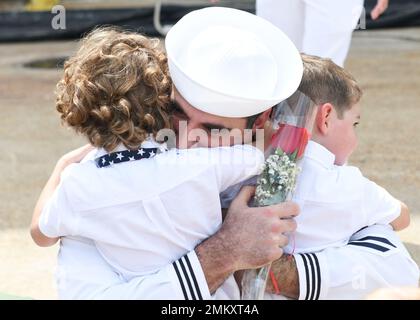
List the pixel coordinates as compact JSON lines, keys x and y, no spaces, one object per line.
{"x":378,"y":205}
{"x":57,"y":219}
{"x":236,"y":164}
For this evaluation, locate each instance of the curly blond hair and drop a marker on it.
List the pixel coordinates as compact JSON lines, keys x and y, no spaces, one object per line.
{"x":115,"y":89}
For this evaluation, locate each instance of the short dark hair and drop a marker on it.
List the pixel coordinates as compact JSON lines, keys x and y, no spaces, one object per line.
{"x":251,"y":120}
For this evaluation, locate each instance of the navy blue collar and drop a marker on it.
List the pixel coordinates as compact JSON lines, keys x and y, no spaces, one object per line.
{"x":125,"y":156}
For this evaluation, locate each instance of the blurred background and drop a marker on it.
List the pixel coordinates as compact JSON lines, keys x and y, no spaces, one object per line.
{"x":384,"y":58}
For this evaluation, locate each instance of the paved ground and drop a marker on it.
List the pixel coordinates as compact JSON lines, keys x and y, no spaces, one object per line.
{"x":386,"y":63}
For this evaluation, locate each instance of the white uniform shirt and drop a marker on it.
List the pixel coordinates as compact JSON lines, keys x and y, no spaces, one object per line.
{"x":335,"y":202}
{"x":145,"y":214}
{"x":347,"y":272}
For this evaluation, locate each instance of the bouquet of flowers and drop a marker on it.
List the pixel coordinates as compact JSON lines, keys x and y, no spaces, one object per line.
{"x":293,"y":120}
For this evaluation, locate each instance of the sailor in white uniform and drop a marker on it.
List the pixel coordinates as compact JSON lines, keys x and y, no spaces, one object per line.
{"x":85,"y":272}
{"x":146,"y":210}
{"x":318,"y":27}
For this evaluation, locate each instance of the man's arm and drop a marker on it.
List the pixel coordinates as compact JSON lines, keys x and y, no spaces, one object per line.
{"x":287,"y":277}
{"x":84,"y":274}
{"x":248,"y":238}
{"x":374,"y":258}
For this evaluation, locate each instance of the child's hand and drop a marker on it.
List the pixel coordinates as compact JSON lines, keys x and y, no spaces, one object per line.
{"x":74,"y":156}
{"x":403,"y":221}
{"x":380,"y":8}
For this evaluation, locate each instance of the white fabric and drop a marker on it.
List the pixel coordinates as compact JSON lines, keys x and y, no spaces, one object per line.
{"x":353,"y":272}
{"x":237,"y":55}
{"x":318,"y":27}
{"x":348,"y":272}
{"x":82,"y":273}
{"x":225,"y":62}
{"x":145,"y":214}
{"x":335,"y":202}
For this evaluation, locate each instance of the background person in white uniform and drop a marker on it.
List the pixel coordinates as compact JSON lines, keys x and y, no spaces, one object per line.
{"x":84,"y":274}
{"x":318,"y":27}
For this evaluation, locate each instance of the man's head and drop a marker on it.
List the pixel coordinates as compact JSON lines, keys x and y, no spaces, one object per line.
{"x":337,"y":95}
{"x":196,"y":128}
{"x":228,"y":71}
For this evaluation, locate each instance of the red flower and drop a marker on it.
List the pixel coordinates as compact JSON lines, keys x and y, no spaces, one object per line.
{"x":290,"y":139}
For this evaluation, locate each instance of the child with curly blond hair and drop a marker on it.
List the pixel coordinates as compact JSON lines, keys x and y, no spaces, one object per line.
{"x":142,"y":215}
{"x":116,"y":89}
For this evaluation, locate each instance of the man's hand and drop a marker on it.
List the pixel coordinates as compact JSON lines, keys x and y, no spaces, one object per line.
{"x":255,"y":235}
{"x":380,"y":8}
{"x":249,"y":238}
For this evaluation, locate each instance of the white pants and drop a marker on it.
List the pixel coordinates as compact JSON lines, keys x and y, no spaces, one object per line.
{"x":317,"y":27}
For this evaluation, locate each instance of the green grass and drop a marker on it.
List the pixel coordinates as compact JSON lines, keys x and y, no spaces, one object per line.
{"x":4,"y":296}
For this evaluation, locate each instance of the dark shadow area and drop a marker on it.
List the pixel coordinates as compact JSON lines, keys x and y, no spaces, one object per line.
{"x":49,"y":63}
{"x":28,"y":26}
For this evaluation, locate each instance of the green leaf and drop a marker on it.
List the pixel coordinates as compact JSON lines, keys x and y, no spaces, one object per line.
{"x":279,"y":152}
{"x":293,"y":156}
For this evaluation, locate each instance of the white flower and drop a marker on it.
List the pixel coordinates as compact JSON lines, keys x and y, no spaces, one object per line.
{"x":278,"y":178}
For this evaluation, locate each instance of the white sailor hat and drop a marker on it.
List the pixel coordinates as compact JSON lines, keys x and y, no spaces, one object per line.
{"x":231,"y":63}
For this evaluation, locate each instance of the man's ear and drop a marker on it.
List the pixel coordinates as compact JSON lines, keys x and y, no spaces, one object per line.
{"x":323,"y":118}
{"x":262,"y":119}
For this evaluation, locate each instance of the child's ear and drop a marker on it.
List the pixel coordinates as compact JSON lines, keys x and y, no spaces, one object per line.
{"x":262,"y":119}
{"x":323,"y":118}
